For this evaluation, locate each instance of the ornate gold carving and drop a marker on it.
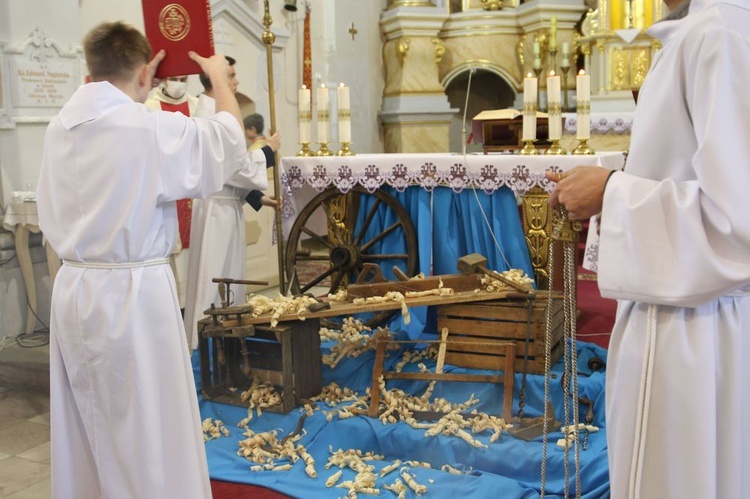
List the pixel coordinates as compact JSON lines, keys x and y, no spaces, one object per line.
{"x":519,"y":53}
{"x":392,"y":4}
{"x":174,"y":22}
{"x":492,"y":4}
{"x":402,"y":48}
{"x":639,"y":67}
{"x":620,"y":69}
{"x":439,"y":49}
{"x":337,"y":210}
{"x":537,"y":223}
{"x":590,"y":24}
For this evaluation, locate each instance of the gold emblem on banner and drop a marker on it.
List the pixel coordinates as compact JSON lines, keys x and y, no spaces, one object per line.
{"x":174,"y":22}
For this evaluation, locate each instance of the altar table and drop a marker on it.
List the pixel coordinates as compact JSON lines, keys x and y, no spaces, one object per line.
{"x":303,"y":177}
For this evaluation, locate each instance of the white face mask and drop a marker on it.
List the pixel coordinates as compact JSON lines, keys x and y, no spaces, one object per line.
{"x":175,"y":89}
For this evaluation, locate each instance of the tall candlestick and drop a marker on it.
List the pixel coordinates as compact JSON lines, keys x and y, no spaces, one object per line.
{"x":345,"y":114}
{"x":583,"y":106}
{"x":305,"y":115}
{"x":323,"y":113}
{"x":553,"y":106}
{"x":529,"y":107}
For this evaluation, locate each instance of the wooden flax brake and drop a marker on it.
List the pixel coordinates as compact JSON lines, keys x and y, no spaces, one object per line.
{"x":508,"y":368}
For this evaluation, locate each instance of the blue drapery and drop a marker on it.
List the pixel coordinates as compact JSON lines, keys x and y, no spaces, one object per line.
{"x":450,"y":225}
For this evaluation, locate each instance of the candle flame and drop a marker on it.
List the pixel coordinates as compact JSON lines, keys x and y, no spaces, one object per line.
{"x":582,"y":73}
{"x":529,"y":75}
{"x":341,"y":85}
{"x":322,"y":85}
{"x":552,"y":72}
{"x":304,"y":87}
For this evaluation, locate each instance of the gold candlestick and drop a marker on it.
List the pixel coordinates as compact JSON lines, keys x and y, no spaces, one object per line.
{"x":538,"y":73}
{"x":528,"y":148}
{"x":555,"y":148}
{"x":345,"y":150}
{"x":565,"y":69}
{"x":583,"y":149}
{"x":323,"y":150}
{"x":305,"y":151}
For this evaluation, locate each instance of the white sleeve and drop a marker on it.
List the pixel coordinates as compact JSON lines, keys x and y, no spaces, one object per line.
{"x":253,"y":174}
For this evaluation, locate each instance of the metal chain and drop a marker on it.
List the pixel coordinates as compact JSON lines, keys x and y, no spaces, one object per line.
{"x":569,"y":271}
{"x":547,"y":362}
{"x":564,"y":231}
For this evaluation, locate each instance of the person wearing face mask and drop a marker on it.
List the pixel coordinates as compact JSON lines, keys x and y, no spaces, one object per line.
{"x":171,"y":95}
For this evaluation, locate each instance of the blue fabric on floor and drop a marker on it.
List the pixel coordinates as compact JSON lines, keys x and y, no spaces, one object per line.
{"x":509,"y":468}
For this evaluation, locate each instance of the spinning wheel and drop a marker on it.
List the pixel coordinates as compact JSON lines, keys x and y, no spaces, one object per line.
{"x":336,"y":233}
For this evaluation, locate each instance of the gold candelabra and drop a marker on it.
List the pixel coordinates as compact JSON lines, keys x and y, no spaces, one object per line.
{"x":305,"y":151}
{"x":528,"y":148}
{"x":323,"y":150}
{"x":345,"y":150}
{"x":565,"y":68}
{"x":583,"y":148}
{"x":538,"y":73}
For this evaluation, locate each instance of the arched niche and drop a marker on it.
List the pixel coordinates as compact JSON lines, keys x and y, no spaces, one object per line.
{"x":490,"y":88}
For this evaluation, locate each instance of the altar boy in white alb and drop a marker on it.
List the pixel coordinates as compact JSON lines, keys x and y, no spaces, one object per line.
{"x":124,"y":413}
{"x":218,"y":226}
{"x":675,"y":252}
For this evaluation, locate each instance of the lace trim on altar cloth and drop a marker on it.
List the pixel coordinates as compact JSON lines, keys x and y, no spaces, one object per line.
{"x":488,"y":179}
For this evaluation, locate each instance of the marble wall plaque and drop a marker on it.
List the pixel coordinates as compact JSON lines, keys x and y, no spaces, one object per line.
{"x":42,"y":84}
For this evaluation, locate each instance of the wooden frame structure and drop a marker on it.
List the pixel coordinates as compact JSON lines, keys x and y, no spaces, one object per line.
{"x":508,"y":368}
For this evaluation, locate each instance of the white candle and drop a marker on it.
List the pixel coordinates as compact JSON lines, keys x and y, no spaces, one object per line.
{"x":553,"y":104}
{"x":529,"y":107}
{"x":583,"y":106}
{"x":305,"y":115}
{"x":565,"y":48}
{"x":553,"y":34}
{"x":323,"y":113}
{"x":536,"y":48}
{"x":537,"y":63}
{"x":345,"y":114}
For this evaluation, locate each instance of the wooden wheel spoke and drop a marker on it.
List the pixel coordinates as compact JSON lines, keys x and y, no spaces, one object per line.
{"x":380,"y":236}
{"x":315,"y":236}
{"x":315,"y":281}
{"x":336,"y":282}
{"x":396,"y":256}
{"x":367,"y":222}
{"x":313,"y":258}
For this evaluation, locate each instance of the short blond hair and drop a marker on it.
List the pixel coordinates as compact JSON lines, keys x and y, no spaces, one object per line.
{"x":114,"y":51}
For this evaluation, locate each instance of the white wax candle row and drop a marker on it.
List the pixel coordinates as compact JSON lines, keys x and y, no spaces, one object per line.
{"x":323,"y":114}
{"x":583,"y":106}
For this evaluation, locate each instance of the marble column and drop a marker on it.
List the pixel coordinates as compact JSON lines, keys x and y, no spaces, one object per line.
{"x":415,"y":112}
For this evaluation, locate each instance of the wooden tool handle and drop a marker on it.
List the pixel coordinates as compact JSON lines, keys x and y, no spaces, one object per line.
{"x":227,"y":280}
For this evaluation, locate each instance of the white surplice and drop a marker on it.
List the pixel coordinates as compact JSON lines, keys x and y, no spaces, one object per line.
{"x":675,"y":252}
{"x":178,"y":260}
{"x":124,"y":413}
{"x":217,"y":234}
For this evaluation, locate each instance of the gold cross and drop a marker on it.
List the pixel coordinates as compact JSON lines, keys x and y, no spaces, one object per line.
{"x":353,"y":31}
